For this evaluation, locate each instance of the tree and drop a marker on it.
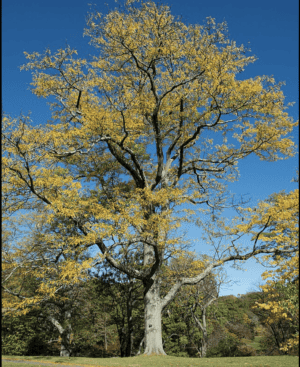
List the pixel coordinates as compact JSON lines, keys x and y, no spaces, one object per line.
{"x":157,"y":121}
{"x":95,"y":333}
{"x":280,"y":215}
{"x":124,"y":298}
{"x":232,"y":326}
{"x":180,"y":336}
{"x":190,"y":304}
{"x":29,"y":334}
{"x":275,"y":330}
{"x":209,"y":298}
{"x":29,"y":263}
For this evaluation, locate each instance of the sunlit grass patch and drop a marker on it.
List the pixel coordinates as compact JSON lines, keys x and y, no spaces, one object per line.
{"x":159,"y":361}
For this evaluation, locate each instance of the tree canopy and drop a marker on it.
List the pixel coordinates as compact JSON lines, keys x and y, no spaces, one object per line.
{"x":154,"y":123}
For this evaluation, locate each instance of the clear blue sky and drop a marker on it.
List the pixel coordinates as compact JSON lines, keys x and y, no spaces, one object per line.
{"x":269,"y":27}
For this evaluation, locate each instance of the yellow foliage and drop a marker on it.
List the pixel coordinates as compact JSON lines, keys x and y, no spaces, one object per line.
{"x":281,"y":213}
{"x":126,"y":147}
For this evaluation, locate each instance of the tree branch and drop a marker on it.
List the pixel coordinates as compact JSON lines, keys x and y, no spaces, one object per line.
{"x":194,"y":280}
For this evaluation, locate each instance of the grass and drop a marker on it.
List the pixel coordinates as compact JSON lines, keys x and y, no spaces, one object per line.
{"x":162,"y":361}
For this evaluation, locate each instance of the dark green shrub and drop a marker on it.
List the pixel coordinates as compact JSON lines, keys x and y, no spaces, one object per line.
{"x":227,"y":347}
{"x":26,"y":335}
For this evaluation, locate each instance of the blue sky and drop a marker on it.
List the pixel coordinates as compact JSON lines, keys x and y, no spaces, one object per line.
{"x":270,"y":28}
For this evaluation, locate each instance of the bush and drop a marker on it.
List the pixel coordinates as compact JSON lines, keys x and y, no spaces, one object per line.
{"x":246,"y":350}
{"x":25,"y":335}
{"x":227,"y":347}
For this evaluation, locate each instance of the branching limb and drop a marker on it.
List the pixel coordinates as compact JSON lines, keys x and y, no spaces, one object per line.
{"x":185,"y":281}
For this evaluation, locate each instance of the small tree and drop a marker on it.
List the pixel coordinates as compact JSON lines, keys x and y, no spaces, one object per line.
{"x":210,"y":297}
{"x":36,"y":266}
{"x":157,"y":120}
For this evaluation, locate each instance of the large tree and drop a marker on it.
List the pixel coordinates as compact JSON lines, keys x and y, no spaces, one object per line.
{"x":155,"y":122}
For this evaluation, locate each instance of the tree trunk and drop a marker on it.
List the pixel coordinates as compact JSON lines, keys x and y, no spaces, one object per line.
{"x":64,"y":333}
{"x":123,"y":339}
{"x":105,"y":338}
{"x":204,"y":344}
{"x":205,"y":336}
{"x":129,"y":328}
{"x":140,"y":347}
{"x":202,"y":326}
{"x":65,"y":350}
{"x":153,"y":309}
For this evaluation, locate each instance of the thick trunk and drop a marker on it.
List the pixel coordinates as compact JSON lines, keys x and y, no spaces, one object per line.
{"x":65,"y":334}
{"x":65,"y":347}
{"x":153,"y":309}
{"x":65,"y":350}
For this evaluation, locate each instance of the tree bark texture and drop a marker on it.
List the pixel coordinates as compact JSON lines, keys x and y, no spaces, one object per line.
{"x":64,"y":333}
{"x":153,"y":310}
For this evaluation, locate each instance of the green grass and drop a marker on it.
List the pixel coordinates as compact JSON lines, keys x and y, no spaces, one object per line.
{"x":163,"y":361}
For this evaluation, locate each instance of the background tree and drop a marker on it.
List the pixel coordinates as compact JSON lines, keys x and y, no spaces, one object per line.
{"x":210,"y":295}
{"x":157,"y":120}
{"x":95,"y":333}
{"x":29,"y":262}
{"x":281,"y":215}
{"x":30,"y":334}
{"x":180,"y":337}
{"x":185,"y":306}
{"x":231,"y":327}
{"x":274,"y":332}
{"x":124,"y":298}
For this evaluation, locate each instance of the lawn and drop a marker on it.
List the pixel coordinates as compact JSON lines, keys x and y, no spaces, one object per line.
{"x":161,"y":361}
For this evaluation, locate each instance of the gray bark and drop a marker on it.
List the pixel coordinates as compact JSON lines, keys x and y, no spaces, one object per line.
{"x":65,"y":334}
{"x":140,"y":347}
{"x":154,"y":305}
{"x":202,"y":326}
{"x":64,"y":351}
{"x":153,"y":311}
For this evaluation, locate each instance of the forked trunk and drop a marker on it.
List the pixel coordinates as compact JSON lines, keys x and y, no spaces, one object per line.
{"x":202,"y":326}
{"x":64,"y":350}
{"x":65,"y":347}
{"x":64,"y":333}
{"x":153,"y":333}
